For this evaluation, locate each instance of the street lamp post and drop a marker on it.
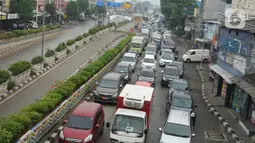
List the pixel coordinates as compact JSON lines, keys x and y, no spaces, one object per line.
{"x":1,"y":10}
{"x":43,"y":29}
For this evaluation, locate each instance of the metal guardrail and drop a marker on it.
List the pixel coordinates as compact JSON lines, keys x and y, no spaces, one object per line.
{"x":40,"y":129}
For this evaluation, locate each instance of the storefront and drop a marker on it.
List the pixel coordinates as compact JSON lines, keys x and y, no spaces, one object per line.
{"x":240,"y":102}
{"x":226,"y":84}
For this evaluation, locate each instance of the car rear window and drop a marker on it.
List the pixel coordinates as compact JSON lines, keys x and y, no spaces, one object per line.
{"x":79,"y":122}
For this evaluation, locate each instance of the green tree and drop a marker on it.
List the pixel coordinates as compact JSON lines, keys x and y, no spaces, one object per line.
{"x":83,"y":5}
{"x":100,"y":10}
{"x":50,"y":8}
{"x":173,"y":11}
{"x":72,"y":9}
{"x":24,"y":8}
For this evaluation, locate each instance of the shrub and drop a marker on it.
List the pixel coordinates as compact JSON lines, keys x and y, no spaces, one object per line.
{"x":60,"y":47}
{"x":85,"y":35}
{"x":70,"y":42}
{"x":35,"y":117}
{"x":79,"y":38}
{"x":78,"y":80}
{"x":21,"y":118}
{"x":4,"y":76}
{"x":10,"y":85}
{"x":68,"y":51}
{"x":19,"y":67}
{"x":37,"y":60}
{"x":5,"y":136}
{"x":15,"y":128}
{"x":49,"y":53}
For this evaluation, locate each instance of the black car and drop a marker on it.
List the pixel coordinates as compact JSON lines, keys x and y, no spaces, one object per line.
{"x":170,"y":44}
{"x":180,"y":65}
{"x":169,"y":73}
{"x":109,"y":88}
{"x":125,"y":69}
{"x":147,"y":75}
{"x":179,"y":84}
{"x":179,"y":100}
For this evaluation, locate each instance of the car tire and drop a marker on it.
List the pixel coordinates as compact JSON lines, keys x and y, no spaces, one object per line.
{"x":102,"y":131}
{"x":188,"y":60}
{"x":205,"y":60}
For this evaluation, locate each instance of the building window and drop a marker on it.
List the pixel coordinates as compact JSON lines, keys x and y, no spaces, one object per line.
{"x":229,"y":31}
{"x":237,"y":33}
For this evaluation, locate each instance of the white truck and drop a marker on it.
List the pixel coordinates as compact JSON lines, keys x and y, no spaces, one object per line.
{"x":131,"y":120}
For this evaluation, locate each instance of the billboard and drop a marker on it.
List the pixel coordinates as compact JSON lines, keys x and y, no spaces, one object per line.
{"x":127,"y":5}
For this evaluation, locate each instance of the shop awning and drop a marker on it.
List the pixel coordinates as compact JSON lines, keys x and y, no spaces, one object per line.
{"x":247,"y":87}
{"x":224,"y":74}
{"x":203,"y":40}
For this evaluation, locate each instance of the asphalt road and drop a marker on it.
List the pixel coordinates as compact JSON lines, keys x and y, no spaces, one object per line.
{"x":34,"y":50}
{"x":205,"y":121}
{"x":39,"y":88}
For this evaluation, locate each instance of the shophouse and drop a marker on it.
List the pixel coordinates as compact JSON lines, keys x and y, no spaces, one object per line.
{"x":236,"y":69}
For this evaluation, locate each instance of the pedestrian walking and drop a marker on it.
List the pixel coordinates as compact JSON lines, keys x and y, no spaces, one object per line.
{"x":195,"y":46}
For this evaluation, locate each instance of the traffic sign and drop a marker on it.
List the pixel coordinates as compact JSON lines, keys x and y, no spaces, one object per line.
{"x":100,"y":3}
{"x":114,"y":4}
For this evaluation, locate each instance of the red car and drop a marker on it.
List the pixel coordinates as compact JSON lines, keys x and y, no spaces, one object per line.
{"x":84,"y":125}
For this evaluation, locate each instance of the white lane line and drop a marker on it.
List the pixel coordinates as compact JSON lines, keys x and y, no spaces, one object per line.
{"x":18,"y":91}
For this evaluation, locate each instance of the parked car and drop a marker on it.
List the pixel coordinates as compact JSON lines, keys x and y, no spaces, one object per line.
{"x":177,"y":128}
{"x":195,"y":55}
{"x":130,"y":58}
{"x":171,"y":44}
{"x":179,"y":84}
{"x":109,"y":88}
{"x":85,"y":124}
{"x":125,"y":69}
{"x":169,"y":73}
{"x":165,"y":59}
{"x":180,"y":65}
{"x":149,"y":62}
{"x":147,"y":75}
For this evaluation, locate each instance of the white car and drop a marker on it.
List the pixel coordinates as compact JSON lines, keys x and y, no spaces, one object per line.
{"x":165,"y":58}
{"x":149,"y":62}
{"x":166,"y":36}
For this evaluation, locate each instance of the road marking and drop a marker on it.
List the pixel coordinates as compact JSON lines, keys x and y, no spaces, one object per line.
{"x":18,"y":91}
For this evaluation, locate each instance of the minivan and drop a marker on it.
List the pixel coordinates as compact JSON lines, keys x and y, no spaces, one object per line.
{"x":130,"y":58}
{"x":195,"y":55}
{"x":177,"y":128}
{"x":85,"y":124}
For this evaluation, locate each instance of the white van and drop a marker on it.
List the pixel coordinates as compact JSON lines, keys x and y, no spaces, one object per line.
{"x":195,"y":55}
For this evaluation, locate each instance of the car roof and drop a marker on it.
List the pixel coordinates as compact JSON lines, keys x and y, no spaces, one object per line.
{"x":123,"y":64}
{"x":147,"y":69}
{"x":130,"y":112}
{"x":149,"y":56}
{"x":171,"y":67}
{"x":129,"y":54}
{"x":150,"y":46}
{"x":176,"y":62}
{"x":87,"y":109}
{"x":181,"y":94}
{"x":112,"y":76}
{"x":180,"y":80}
{"x":179,"y":117}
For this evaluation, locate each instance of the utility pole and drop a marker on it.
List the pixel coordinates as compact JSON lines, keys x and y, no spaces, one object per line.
{"x":44,"y":15}
{"x":37,"y":5}
{"x":202,"y":23}
{"x":60,"y":8}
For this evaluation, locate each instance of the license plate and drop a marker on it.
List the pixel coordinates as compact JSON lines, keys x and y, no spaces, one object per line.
{"x":105,"y":98}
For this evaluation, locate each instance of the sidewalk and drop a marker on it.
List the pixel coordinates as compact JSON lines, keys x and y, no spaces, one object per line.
{"x":218,"y":103}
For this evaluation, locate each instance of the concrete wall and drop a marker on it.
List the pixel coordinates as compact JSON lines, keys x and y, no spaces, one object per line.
{"x":212,"y":8}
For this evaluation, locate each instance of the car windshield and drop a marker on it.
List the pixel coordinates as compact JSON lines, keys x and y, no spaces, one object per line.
{"x":179,"y":85}
{"x":182,"y":102}
{"x":121,"y":69}
{"x":188,"y":53}
{"x":107,"y":83}
{"x":136,"y":45}
{"x":128,"y":59}
{"x":171,"y":71}
{"x":177,"y":130}
{"x":167,"y":57}
{"x":179,"y":65}
{"x":164,"y":47}
{"x":128,"y":124}
{"x":148,"y":60}
{"x":147,"y":73}
{"x":167,"y":52}
{"x":79,"y":122}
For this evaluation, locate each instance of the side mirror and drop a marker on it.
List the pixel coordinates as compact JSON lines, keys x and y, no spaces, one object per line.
{"x":65,"y":121}
{"x":155,"y":76}
{"x":108,"y":125}
{"x":193,"y":135}
{"x":97,"y":125}
{"x":97,"y":83}
{"x":145,"y":131}
{"x":162,"y":71}
{"x":190,"y":89}
{"x":192,"y":114}
{"x":137,"y":75}
{"x":121,"y":85}
{"x":160,"y":129}
{"x":195,"y":106}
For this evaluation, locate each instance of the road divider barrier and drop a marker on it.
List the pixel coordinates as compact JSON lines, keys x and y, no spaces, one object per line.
{"x":212,"y":110}
{"x":50,"y":60}
{"x":64,"y":97}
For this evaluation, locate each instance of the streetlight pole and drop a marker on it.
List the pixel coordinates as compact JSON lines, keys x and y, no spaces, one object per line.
{"x":43,"y":29}
{"x":1,"y":19}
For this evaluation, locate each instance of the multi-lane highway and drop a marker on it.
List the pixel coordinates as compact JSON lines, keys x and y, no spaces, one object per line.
{"x":40,"y":87}
{"x":34,"y":50}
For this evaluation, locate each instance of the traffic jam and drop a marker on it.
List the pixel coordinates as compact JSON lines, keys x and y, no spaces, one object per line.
{"x":123,"y":99}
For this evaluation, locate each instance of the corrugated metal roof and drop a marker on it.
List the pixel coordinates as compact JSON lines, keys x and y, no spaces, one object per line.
{"x":248,"y":84}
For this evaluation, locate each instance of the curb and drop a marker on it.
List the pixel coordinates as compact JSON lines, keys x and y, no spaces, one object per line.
{"x":225,"y":124}
{"x":7,"y":52}
{"x":49,"y":67}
